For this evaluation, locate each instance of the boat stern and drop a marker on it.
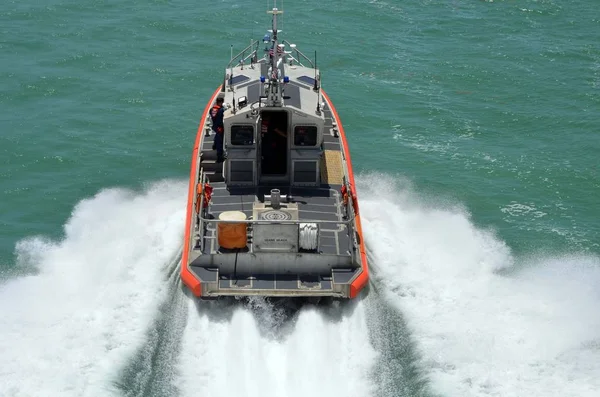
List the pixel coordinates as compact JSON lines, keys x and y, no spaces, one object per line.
{"x":221,"y":278}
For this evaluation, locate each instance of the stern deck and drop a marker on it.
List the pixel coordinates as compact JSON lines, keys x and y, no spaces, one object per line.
{"x":314,"y":204}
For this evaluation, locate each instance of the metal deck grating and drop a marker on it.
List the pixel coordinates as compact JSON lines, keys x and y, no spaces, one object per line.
{"x":332,"y":170}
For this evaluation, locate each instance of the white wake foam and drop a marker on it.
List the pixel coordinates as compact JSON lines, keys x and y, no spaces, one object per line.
{"x":235,"y":355}
{"x":485,"y":323}
{"x":66,"y":330}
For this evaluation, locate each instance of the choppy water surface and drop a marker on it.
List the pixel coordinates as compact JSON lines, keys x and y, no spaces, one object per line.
{"x":472,"y":127}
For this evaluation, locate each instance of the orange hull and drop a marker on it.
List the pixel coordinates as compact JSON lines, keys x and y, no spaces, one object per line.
{"x":186,"y":276}
{"x":363,"y":278}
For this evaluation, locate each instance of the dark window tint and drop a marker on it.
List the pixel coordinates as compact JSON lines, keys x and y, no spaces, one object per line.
{"x":242,"y":135}
{"x":305,"y":135}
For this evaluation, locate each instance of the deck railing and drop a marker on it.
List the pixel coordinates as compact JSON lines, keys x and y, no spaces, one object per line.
{"x":287,"y":222}
{"x":251,"y":52}
{"x":299,"y":55}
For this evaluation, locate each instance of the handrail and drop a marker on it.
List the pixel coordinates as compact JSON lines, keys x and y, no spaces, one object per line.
{"x":300,"y":54}
{"x":289,"y":222}
{"x":196,"y":221}
{"x":200,"y":181}
{"x":243,"y":52}
{"x":241,"y":57}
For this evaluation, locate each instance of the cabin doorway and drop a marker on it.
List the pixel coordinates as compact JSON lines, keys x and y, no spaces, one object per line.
{"x":274,"y":143}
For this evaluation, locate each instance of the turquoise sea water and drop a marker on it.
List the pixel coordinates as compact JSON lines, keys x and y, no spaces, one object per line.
{"x":474,"y":130}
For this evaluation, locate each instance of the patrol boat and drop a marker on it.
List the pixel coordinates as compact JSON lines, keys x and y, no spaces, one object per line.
{"x":278,"y":217}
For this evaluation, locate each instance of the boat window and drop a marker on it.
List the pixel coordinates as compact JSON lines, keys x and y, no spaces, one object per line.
{"x":305,"y":135}
{"x":242,"y":135}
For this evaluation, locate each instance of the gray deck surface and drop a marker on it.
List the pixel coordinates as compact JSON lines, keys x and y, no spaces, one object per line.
{"x":322,"y":204}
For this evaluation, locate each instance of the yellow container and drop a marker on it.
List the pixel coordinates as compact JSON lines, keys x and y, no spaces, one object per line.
{"x":232,"y":235}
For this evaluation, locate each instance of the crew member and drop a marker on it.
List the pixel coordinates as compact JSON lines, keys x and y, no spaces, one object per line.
{"x":216,"y":115}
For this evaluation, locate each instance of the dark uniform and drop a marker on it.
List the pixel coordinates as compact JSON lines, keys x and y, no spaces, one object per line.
{"x":216,"y":115}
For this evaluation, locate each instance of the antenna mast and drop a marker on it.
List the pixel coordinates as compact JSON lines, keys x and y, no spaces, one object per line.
{"x":274,"y":97}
